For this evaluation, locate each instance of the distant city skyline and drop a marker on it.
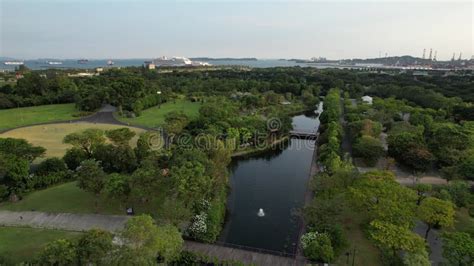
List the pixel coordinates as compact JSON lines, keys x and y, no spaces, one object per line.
{"x":265,"y":29}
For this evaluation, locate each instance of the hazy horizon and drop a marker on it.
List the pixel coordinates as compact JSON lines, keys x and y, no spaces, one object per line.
{"x":144,"y":29}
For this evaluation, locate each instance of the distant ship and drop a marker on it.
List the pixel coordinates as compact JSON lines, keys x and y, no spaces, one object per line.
{"x":14,"y":63}
{"x":55,"y":63}
{"x":110,"y":62}
{"x":176,"y":61}
{"x":82,"y":61}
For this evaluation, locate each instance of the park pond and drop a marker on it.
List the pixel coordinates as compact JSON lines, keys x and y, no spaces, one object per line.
{"x":267,"y":193}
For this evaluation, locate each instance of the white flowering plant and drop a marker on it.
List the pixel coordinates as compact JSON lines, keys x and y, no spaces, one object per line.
{"x":198,"y":226}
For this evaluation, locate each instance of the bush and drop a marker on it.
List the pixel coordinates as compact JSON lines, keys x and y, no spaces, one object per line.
{"x":43,"y":181}
{"x":74,"y":157}
{"x":215,"y":218}
{"x":198,"y":227}
{"x":51,"y":165}
{"x":3,"y":193}
{"x":317,"y":246}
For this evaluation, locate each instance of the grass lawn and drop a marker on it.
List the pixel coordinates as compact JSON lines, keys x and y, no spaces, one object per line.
{"x":51,"y":136}
{"x":11,"y":118}
{"x":69,"y":198}
{"x":365,"y":252}
{"x":66,"y":197}
{"x":19,"y":244}
{"x":155,"y":116}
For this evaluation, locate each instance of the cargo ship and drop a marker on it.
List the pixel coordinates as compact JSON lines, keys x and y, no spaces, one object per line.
{"x":82,"y":61}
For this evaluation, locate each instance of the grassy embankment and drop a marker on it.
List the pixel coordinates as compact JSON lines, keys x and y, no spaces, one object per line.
{"x":155,"y":116}
{"x":16,"y":117}
{"x":18,"y":243}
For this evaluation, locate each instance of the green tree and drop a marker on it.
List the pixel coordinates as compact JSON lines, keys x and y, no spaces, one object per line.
{"x":170,"y":242}
{"x":421,"y":191}
{"x":191,"y":181}
{"x":369,"y":148}
{"x":20,"y":148}
{"x":399,"y":143}
{"x":144,"y":183}
{"x":117,"y":187}
{"x":458,"y":248}
{"x":147,"y":143}
{"x":233,"y":137}
{"x":140,"y":235}
{"x":418,"y":158}
{"x":74,"y":157}
{"x":120,"y":136}
{"x":94,"y":247}
{"x":13,"y":173}
{"x":175,"y":122}
{"x":436,"y":212}
{"x":59,"y":252}
{"x":466,"y":167}
{"x":384,"y":199}
{"x":419,"y":258}
{"x":51,"y":165}
{"x":446,"y":139}
{"x":86,"y":140}
{"x":245,"y":134}
{"x":459,"y":192}
{"x":146,"y":240}
{"x":115,"y":158}
{"x":90,"y":177}
{"x":395,"y":238}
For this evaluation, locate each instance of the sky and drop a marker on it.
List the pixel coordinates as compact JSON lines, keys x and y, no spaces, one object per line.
{"x":264,"y":29}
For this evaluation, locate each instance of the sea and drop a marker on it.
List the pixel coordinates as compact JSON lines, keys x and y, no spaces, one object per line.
{"x":42,"y":64}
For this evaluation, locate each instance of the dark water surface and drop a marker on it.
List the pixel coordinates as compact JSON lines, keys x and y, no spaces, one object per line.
{"x":275,"y":181}
{"x":94,"y":63}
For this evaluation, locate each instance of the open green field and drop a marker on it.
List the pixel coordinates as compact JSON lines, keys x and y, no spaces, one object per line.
{"x":155,"y":116}
{"x":69,"y":198}
{"x":11,"y":118}
{"x":51,"y":136}
{"x":66,"y":197}
{"x":18,"y":244}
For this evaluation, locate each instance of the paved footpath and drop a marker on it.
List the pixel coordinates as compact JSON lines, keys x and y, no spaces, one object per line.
{"x":64,"y":221}
{"x":113,"y":223}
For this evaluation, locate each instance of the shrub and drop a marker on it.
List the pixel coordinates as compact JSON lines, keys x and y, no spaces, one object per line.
{"x":198,"y":227}
{"x":51,"y":165}
{"x":215,"y":218}
{"x":317,"y":246}
{"x":74,"y":157}
{"x":3,"y":193}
